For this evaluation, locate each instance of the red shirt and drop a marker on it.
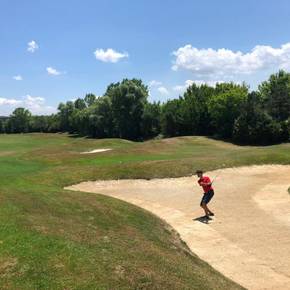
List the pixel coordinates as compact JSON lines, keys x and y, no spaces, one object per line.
{"x":205,"y":179}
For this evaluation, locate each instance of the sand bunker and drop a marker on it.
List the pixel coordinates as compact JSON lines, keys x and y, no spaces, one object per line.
{"x":96,"y":151}
{"x":248,"y":240}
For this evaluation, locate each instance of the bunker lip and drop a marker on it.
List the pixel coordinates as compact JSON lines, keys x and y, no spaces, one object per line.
{"x":96,"y":151}
{"x":248,"y":240}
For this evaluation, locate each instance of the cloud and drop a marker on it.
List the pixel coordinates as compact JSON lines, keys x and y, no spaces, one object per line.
{"x":154,"y":83}
{"x":18,"y":78}
{"x":163,"y":91}
{"x":32,"y":46}
{"x":32,"y":101}
{"x":9,"y":102}
{"x":182,"y":88}
{"x":110,"y":55}
{"x":36,"y":105}
{"x":223,"y":63}
{"x":52,"y":71}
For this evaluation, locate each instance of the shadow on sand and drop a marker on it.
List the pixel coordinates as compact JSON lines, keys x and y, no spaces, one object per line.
{"x":203,"y":219}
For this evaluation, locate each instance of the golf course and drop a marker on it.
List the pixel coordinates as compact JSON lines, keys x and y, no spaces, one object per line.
{"x":145,"y":145}
{"x":134,"y":226}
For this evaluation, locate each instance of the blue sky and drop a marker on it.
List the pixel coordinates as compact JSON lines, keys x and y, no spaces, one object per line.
{"x":53,"y":51}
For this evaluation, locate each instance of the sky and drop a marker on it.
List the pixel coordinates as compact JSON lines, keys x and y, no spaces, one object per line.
{"x":55,"y":51}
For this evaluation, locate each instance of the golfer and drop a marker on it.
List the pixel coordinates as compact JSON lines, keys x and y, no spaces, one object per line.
{"x":206,"y":184}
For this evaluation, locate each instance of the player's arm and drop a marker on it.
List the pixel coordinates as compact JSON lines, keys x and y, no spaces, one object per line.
{"x":205,"y":183}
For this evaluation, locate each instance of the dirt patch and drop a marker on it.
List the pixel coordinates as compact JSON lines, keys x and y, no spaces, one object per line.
{"x":6,"y":153}
{"x":96,"y":151}
{"x":7,"y":265}
{"x":249,"y":238}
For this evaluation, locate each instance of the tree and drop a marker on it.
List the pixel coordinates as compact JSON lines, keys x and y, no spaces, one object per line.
{"x":172,"y":119}
{"x":285,"y":126}
{"x":226,"y":110}
{"x":195,"y":109}
{"x":254,"y":125}
{"x":128,"y":100}
{"x":263,"y":131}
{"x":224,"y":107}
{"x":80,"y":104}
{"x":4,"y":124}
{"x":39,"y":123}
{"x":53,"y":123}
{"x":276,"y":95}
{"x":65,"y":116}
{"x":151,"y":120}
{"x":90,"y":99}
{"x":2,"y":128}
{"x":19,"y":121}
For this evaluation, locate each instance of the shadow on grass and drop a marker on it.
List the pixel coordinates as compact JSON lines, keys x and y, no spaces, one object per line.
{"x":75,"y":135}
{"x":245,"y":143}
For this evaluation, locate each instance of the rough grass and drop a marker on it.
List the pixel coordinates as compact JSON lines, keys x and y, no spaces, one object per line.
{"x":56,"y":239}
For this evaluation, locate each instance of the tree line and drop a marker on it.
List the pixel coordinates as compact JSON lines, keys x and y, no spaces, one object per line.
{"x":228,"y":110}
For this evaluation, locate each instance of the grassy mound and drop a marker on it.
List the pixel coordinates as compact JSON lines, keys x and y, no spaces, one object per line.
{"x":56,"y":239}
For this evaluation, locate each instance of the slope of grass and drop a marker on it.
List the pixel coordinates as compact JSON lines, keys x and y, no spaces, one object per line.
{"x":56,"y":239}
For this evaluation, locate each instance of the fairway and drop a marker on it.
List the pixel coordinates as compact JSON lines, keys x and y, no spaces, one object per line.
{"x":53,"y":238}
{"x":252,"y":216}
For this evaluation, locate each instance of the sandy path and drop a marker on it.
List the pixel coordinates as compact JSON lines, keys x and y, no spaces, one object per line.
{"x":96,"y":151}
{"x":248,"y":240}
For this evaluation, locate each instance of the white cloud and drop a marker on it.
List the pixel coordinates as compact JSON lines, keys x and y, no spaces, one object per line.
{"x":154,"y":83}
{"x":32,"y":46}
{"x":182,"y":88}
{"x":18,"y":78}
{"x":110,"y":55}
{"x":36,"y":105}
{"x":163,"y":91}
{"x":52,"y":71}
{"x":32,"y":101}
{"x":223,"y":63}
{"x":9,"y":102}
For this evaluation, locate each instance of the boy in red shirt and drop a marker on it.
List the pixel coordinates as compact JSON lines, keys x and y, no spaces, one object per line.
{"x":206,"y":184}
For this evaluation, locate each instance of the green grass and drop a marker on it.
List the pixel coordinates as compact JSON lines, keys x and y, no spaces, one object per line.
{"x":56,"y":239}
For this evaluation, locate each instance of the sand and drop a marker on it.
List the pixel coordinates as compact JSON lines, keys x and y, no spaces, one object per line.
{"x":96,"y":151}
{"x":249,"y":238}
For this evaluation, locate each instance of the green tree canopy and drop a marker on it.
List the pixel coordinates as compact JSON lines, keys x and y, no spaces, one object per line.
{"x":254,"y":125}
{"x":276,"y":95}
{"x":226,"y":110}
{"x":225,"y":105}
{"x":90,"y":99}
{"x":19,"y":121}
{"x":65,"y":116}
{"x":151,"y":120}
{"x":128,"y":100}
{"x":172,"y":118}
{"x":195,"y":109}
